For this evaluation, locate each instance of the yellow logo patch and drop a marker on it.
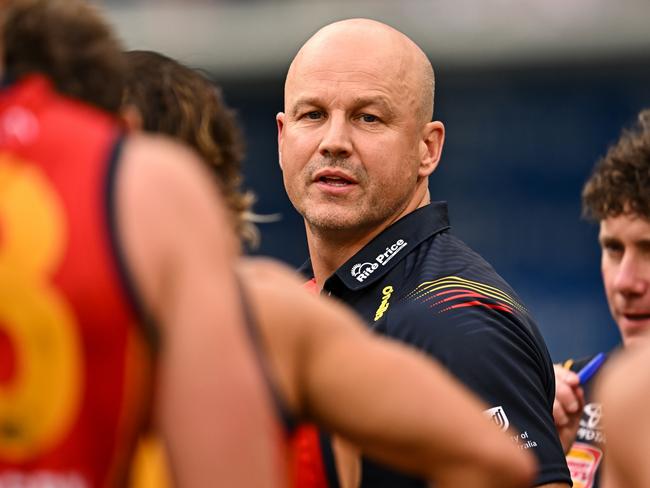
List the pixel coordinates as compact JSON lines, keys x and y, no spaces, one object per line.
{"x":383,"y":306}
{"x":583,"y":462}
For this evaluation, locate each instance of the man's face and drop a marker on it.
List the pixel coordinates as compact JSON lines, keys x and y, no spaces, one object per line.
{"x":625,"y":243}
{"x":351,"y":141}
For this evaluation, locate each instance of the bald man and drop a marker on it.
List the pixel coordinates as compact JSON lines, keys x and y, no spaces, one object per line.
{"x":356,"y":147}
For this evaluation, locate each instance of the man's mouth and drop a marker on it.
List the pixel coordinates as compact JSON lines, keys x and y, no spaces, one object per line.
{"x":334,"y":180}
{"x":636,"y":317}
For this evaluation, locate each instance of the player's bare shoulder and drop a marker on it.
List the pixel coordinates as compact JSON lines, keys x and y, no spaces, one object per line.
{"x":277,"y":290}
{"x":277,"y":286}
{"x":615,"y":386}
{"x":283,"y":288}
{"x":157,"y":166}
{"x":267,"y":271}
{"x":169,"y":212}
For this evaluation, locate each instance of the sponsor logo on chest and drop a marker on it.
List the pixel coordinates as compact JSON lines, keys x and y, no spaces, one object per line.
{"x":590,"y":429}
{"x":361,"y":271}
{"x":583,"y":461}
{"x":383,"y":306}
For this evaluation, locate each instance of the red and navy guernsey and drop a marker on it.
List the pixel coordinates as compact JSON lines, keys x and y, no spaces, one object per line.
{"x":419,"y":284}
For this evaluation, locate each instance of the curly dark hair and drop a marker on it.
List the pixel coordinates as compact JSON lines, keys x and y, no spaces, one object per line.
{"x":181,"y":102}
{"x":620,"y":182}
{"x":69,"y":42}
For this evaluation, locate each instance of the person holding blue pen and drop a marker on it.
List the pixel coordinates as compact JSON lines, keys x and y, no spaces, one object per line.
{"x":617,"y":195}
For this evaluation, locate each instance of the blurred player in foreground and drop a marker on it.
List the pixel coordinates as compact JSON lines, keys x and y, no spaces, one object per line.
{"x":625,"y":394}
{"x":116,"y":289}
{"x":323,"y":365}
{"x":617,"y":195}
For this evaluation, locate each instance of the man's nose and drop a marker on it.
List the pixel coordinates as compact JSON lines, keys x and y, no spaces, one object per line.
{"x":629,"y":279}
{"x":336,"y":141}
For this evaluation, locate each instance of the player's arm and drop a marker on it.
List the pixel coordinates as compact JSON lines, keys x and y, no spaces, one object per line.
{"x":397,"y":405}
{"x":625,"y":393}
{"x":213,"y":409}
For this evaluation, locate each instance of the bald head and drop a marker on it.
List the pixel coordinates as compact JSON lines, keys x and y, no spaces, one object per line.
{"x":355,"y":44}
{"x":358,"y":102}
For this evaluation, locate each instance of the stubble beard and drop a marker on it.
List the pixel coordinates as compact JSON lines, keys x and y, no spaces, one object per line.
{"x":340,"y":215}
{"x":329,"y":213}
{"x":349,"y":217}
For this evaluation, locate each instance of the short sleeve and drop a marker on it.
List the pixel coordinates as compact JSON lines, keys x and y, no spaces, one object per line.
{"x":500,"y":356}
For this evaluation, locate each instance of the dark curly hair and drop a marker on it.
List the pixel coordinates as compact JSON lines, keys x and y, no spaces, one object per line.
{"x":620,"y":182}
{"x":69,"y":42}
{"x":178,"y":101}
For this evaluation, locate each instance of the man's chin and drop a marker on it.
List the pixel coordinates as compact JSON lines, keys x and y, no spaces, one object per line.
{"x":329,"y":225}
{"x":332,"y":220}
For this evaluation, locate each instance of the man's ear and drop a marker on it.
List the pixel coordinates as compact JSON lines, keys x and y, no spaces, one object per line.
{"x":433,"y":138}
{"x":131,"y":118}
{"x":279,"y":119}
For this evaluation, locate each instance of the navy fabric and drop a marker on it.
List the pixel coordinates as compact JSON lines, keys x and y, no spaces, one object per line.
{"x":419,"y":284}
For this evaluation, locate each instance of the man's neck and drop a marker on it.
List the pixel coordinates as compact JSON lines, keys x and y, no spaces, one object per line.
{"x":329,"y":249}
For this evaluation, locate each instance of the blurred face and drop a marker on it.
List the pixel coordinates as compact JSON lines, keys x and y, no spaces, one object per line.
{"x":354,"y":153}
{"x":625,"y":243}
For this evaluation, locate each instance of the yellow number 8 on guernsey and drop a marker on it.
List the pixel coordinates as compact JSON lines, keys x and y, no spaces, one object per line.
{"x":41,"y":387}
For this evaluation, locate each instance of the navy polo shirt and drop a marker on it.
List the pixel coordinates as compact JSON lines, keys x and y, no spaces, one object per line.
{"x":419,"y":284}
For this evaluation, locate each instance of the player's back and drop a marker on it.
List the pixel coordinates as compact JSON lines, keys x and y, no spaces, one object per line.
{"x":74,"y":363}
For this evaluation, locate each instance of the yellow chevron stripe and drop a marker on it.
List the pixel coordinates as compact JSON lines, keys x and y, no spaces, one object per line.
{"x":428,"y":287}
{"x":479,"y":289}
{"x":458,"y":281}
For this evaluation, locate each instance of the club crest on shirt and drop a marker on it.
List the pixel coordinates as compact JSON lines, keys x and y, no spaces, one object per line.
{"x":583,"y":461}
{"x":499,"y":417}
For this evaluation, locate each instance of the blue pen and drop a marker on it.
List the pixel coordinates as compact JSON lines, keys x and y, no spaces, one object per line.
{"x":591,"y":367}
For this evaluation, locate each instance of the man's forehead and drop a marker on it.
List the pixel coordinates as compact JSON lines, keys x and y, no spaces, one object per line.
{"x":351,"y":77}
{"x":349,"y":62}
{"x":390,"y":98}
{"x":626,"y":225}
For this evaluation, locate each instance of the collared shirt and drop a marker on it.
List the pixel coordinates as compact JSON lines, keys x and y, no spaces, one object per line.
{"x":419,"y":284}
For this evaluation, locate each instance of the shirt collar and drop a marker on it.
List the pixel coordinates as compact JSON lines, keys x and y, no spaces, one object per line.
{"x":387,"y":249}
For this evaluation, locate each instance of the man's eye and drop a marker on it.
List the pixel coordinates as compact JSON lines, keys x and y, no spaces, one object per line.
{"x":315,"y":115}
{"x":369,"y":118}
{"x":613,"y":249}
